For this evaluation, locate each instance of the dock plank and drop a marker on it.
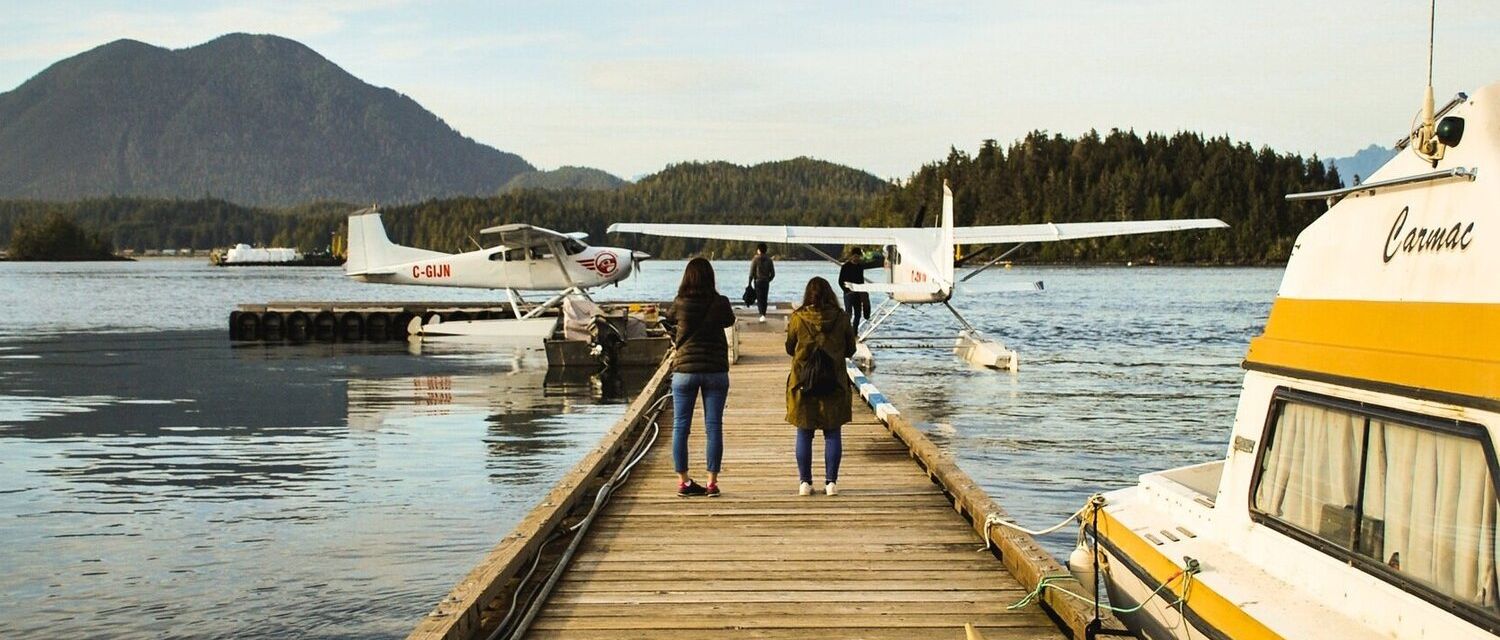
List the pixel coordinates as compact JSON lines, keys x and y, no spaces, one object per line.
{"x":887,"y":558}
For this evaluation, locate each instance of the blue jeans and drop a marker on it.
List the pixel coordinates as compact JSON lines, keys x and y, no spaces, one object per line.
{"x":833,"y":451}
{"x":685,"y":388}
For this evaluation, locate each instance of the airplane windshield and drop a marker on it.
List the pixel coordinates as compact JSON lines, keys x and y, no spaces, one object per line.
{"x":573,"y":247}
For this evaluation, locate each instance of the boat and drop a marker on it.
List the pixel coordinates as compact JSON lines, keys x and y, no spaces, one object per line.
{"x":1357,"y":495}
{"x":244,"y":255}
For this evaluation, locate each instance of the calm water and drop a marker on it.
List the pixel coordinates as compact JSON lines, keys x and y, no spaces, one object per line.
{"x":156,"y":480}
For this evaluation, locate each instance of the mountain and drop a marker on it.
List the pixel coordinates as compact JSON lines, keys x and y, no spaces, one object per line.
{"x":254,"y":119}
{"x":1363,"y":163}
{"x":583,"y":178}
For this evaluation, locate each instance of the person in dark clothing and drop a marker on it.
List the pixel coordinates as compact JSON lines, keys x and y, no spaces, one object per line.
{"x":856,"y":303}
{"x":700,"y":364}
{"x":818,"y":326}
{"x":762,"y":271}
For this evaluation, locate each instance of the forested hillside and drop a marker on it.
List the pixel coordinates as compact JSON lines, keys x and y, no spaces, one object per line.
{"x":565,"y":178}
{"x":1052,"y":178}
{"x":799,"y":191}
{"x":253,"y":119}
{"x":1041,"y":178}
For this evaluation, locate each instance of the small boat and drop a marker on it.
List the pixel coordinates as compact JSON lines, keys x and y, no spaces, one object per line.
{"x":244,"y":255}
{"x":1357,"y":497}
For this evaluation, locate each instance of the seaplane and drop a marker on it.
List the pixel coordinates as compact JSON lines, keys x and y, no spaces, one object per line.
{"x":524,"y":258}
{"x":920,"y":263}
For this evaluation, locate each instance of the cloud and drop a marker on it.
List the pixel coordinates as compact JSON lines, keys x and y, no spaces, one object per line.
{"x":659,"y":76}
{"x":396,"y":46}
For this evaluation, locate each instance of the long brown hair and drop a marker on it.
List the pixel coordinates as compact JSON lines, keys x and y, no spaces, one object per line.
{"x":819,"y":294}
{"x":697,"y":279}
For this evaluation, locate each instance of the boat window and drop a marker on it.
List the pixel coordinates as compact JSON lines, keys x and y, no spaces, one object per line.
{"x":1406,"y":497}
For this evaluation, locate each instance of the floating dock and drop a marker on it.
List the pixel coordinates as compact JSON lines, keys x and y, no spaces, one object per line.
{"x":899,"y":553}
{"x":301,"y":321}
{"x":305,"y":321}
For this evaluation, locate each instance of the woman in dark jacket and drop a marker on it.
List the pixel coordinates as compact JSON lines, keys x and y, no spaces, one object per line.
{"x":819,"y":325}
{"x":700,"y":364}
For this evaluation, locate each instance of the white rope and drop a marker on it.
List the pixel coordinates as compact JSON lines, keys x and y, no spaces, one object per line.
{"x":995,"y":518}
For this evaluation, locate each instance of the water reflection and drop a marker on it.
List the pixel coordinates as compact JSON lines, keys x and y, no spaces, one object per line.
{"x":174,"y":484}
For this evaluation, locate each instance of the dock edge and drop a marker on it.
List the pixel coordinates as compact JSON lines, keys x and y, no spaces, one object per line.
{"x":1019,"y":552}
{"x":458,"y":615}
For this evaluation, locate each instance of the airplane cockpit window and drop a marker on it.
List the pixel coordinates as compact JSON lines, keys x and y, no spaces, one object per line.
{"x":892,"y":255}
{"x":573,"y":247}
{"x":515,"y":255}
{"x":497,"y":256}
{"x":540,"y":253}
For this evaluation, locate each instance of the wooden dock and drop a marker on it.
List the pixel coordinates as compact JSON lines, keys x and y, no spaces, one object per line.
{"x":897,"y":554}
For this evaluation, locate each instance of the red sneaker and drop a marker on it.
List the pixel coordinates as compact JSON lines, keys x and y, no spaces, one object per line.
{"x":690,"y":488}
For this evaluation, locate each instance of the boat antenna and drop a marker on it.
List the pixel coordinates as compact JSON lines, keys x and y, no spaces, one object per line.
{"x":1431,"y":33}
{"x":1427,"y":144}
{"x":1427,"y":105}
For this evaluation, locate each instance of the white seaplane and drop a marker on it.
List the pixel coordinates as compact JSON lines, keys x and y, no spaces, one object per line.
{"x":920,"y":264}
{"x":525,"y":258}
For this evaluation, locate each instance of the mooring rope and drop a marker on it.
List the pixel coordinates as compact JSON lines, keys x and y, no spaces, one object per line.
{"x":1049,"y":582}
{"x":1095,"y":501}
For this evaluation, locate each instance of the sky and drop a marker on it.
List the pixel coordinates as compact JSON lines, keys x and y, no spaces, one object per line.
{"x":630,"y":87}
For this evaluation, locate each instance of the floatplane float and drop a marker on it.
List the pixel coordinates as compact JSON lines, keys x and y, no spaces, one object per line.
{"x":920,"y":265}
{"x":1357,"y":498}
{"x":525,"y":258}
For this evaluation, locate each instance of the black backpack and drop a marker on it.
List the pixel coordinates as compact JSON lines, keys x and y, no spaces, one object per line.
{"x":818,"y":375}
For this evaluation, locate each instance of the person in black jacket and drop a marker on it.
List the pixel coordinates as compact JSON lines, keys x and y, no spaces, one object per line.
{"x":699,"y":364}
{"x":856,"y":303}
{"x":762,"y":271}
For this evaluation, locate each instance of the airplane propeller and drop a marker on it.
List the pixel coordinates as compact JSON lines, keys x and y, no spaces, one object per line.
{"x":638,"y":259}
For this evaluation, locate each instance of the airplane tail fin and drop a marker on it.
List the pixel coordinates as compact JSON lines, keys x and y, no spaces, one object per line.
{"x":371,"y":252}
{"x":946,"y":246}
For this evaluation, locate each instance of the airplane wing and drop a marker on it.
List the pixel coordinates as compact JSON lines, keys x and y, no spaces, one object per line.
{"x":761,"y":233}
{"x":1049,"y":232}
{"x":519,"y":235}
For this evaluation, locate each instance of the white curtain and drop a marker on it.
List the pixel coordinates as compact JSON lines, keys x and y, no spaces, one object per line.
{"x":1313,"y":461}
{"x":1434,"y":492}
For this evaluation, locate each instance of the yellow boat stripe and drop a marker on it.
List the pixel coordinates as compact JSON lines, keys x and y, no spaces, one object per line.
{"x":1211,"y":607}
{"x":1437,"y":346}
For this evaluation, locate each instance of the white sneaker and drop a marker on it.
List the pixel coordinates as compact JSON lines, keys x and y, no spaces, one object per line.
{"x":805,"y":489}
{"x":762,"y":318}
{"x":831,"y":489}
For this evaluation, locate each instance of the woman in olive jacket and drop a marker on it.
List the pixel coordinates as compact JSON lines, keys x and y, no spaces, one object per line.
{"x":699,"y":364}
{"x":818,"y":325}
